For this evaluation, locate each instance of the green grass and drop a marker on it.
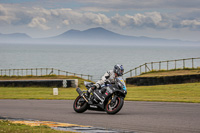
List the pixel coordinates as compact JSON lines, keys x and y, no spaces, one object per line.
{"x":171,"y":72}
{"x":36,"y":93}
{"x":8,"y":127}
{"x":189,"y":92}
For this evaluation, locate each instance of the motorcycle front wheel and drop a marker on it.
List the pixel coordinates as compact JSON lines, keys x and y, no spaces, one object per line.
{"x":113,"y":108}
{"x":80,"y":105}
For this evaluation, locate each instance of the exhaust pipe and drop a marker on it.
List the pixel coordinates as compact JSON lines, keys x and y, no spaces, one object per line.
{"x":81,"y":94}
{"x":79,"y":91}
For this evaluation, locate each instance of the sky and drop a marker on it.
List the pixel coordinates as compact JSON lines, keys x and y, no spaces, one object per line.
{"x":169,"y":19}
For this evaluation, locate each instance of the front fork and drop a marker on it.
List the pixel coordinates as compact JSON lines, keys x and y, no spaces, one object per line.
{"x":113,"y":100}
{"x":81,"y":94}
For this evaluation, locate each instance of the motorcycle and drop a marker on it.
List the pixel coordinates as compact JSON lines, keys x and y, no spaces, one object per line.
{"x":109,"y":98}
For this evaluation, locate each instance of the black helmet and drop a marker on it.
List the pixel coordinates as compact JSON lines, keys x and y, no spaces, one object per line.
{"x":119,"y":70}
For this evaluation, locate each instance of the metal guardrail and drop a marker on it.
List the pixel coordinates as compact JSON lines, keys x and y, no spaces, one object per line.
{"x":168,"y":65}
{"x":40,"y":72}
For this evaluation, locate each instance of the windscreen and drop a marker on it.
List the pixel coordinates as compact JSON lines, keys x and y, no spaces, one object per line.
{"x":121,"y":83}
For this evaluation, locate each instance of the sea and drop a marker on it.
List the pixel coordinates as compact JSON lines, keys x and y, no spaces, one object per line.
{"x":89,"y":59}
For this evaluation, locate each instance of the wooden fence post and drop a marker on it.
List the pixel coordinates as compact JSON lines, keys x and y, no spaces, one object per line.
{"x":136,"y":72}
{"x":159,"y":65}
{"x":183,"y":63}
{"x":175,"y":64}
{"x":192,"y":63}
{"x":59,"y":72}
{"x":46,"y":71}
{"x":167,"y":65}
{"x":9,"y":72}
{"x":145,"y":67}
{"x":130,"y":73}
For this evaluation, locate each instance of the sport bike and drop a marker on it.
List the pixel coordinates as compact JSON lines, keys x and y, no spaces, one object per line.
{"x":109,"y":98}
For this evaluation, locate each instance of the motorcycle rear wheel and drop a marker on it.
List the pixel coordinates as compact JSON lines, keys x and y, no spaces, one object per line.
{"x":80,"y":105}
{"x":113,"y":108}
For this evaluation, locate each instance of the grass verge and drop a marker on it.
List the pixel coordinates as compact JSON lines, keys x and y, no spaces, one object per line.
{"x":189,"y":92}
{"x":8,"y":127}
{"x":172,"y":72}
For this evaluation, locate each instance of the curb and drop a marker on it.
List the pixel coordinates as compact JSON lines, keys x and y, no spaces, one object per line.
{"x":64,"y":126}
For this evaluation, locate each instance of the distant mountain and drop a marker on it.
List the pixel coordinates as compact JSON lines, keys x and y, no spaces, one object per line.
{"x":93,"y":36}
{"x":93,"y":33}
{"x":14,"y":38}
{"x":15,"y":35}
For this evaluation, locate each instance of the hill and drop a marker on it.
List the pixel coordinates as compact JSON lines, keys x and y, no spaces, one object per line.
{"x":92,"y":36}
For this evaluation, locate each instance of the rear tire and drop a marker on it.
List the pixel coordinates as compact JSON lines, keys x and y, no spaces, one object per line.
{"x":113,"y":108}
{"x":80,"y":105}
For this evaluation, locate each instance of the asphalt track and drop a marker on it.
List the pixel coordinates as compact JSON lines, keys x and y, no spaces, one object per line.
{"x":147,"y":117}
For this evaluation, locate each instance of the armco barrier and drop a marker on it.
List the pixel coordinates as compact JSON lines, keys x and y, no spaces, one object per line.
{"x":40,"y":83}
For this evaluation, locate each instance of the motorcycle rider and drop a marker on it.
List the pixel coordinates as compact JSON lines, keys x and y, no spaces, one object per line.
{"x":109,"y":76}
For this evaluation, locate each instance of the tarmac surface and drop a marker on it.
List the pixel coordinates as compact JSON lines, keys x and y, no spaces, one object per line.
{"x":139,"y":117}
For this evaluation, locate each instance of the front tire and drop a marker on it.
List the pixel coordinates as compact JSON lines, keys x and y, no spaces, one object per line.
{"x":80,"y":105}
{"x":113,"y":108}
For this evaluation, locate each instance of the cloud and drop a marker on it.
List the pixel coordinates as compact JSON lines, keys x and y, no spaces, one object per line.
{"x":66,"y":22}
{"x":46,"y":19}
{"x":5,"y":15}
{"x":117,"y":5}
{"x":148,"y":19}
{"x":38,"y":23}
{"x":194,"y":24}
{"x":98,"y":19}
